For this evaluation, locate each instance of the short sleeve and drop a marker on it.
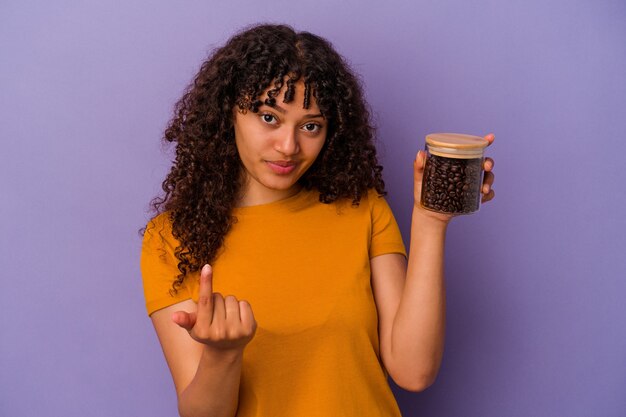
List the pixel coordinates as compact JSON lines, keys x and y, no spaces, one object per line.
{"x":386,"y":236}
{"x":159,"y":267}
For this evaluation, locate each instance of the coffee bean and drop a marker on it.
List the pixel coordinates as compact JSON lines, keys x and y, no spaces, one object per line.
{"x":452,"y":185}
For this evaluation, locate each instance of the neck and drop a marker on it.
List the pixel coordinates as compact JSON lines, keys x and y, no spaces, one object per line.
{"x":249,"y":197}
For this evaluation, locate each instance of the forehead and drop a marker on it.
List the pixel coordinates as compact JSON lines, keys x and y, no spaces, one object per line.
{"x":295,"y":99}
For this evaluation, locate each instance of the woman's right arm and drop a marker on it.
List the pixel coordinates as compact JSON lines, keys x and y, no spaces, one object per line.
{"x":203,"y":344}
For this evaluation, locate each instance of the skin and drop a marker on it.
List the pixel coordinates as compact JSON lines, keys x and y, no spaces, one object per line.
{"x":208,"y":338}
{"x":203,"y":343}
{"x":410,"y":296}
{"x":285,"y":132}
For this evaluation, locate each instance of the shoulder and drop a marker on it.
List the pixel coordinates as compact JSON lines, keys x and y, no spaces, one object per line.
{"x":158,"y":238}
{"x":376,"y":202}
{"x":386,"y":236}
{"x":372,"y":196}
{"x":159,"y":265}
{"x":159,"y":223}
{"x":160,"y":226}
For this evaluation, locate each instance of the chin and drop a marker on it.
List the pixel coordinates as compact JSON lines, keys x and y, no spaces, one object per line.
{"x":281,"y":184}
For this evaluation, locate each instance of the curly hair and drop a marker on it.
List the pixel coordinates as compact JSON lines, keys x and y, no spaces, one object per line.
{"x":202,"y":186}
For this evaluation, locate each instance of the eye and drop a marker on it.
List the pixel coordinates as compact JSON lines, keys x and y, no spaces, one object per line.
{"x":312,"y":127}
{"x":268,"y":118}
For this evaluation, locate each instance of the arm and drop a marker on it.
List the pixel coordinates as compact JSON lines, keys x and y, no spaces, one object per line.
{"x":206,"y":367}
{"x":411,"y":299}
{"x":411,"y":309}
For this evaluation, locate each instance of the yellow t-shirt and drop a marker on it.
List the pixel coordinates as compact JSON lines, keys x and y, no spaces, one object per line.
{"x":304,"y":268}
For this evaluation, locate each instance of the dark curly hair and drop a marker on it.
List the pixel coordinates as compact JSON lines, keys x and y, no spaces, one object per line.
{"x":203,"y":185}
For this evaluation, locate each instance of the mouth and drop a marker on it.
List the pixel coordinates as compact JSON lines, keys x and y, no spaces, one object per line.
{"x":281,"y":167}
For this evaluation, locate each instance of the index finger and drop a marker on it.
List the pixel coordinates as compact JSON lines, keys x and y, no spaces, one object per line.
{"x":490,"y":138}
{"x":205,"y":295}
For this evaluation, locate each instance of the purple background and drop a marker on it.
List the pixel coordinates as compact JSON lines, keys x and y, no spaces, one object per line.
{"x":535,"y":280}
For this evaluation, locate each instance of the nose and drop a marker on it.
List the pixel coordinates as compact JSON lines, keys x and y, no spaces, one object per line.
{"x":287,"y":141}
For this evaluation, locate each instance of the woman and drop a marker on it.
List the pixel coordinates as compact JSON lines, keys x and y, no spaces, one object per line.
{"x":274,"y":273}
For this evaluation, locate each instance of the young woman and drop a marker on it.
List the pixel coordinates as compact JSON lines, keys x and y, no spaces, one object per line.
{"x":274,"y":271}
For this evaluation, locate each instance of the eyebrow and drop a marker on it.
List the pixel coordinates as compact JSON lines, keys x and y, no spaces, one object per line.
{"x":283,"y":111}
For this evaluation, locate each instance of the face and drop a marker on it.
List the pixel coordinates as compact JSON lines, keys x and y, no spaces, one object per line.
{"x":277,"y":145}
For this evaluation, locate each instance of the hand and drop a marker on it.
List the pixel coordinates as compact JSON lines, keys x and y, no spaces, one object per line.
{"x":222,"y":324}
{"x":418,"y":171}
{"x":489,"y":177}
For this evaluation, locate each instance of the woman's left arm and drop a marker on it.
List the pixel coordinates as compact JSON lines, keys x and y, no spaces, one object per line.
{"x":411,"y":299}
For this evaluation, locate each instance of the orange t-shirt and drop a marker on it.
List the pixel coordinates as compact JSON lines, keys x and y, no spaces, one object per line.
{"x":304,"y":267}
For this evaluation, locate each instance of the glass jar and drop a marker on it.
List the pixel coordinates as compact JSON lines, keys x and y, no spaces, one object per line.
{"x":453,"y":173}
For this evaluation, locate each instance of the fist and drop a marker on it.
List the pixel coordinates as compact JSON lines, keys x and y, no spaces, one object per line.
{"x":220,"y":323}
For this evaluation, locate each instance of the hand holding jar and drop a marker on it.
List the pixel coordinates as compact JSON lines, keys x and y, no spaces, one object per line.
{"x":452,"y":177}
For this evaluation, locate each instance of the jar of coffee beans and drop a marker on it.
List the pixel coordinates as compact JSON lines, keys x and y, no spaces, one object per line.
{"x":453,"y":174}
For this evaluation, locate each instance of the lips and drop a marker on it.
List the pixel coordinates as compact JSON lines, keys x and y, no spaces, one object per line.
{"x":283,"y":163}
{"x":281,"y":167}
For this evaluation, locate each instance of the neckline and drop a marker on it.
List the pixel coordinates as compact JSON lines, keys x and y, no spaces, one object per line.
{"x":278,"y":205}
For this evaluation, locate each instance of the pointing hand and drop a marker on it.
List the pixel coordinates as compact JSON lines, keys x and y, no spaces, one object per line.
{"x":220,"y":323}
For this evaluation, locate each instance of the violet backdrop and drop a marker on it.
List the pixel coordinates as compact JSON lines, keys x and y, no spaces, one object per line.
{"x":535,"y":280}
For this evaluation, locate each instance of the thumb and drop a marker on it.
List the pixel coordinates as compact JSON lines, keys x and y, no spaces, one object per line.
{"x":184,"y":319}
{"x":418,"y":173}
{"x":418,"y":165}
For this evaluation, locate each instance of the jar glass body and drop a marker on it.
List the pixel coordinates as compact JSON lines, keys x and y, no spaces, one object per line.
{"x":452,"y":180}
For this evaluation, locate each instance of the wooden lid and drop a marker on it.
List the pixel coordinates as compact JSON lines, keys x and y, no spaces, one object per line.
{"x":456,"y":141}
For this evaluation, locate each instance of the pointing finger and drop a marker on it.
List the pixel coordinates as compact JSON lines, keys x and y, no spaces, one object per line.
{"x":205,"y":295}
